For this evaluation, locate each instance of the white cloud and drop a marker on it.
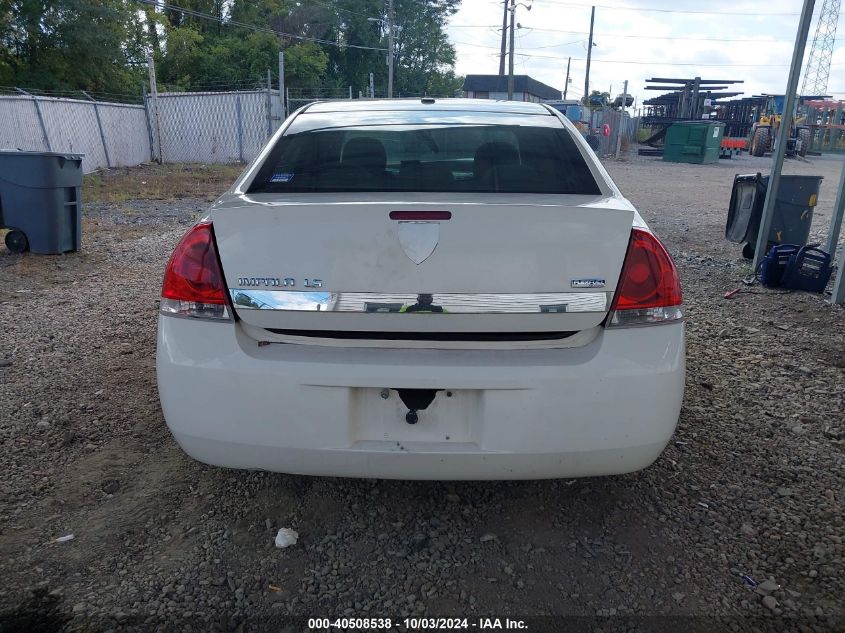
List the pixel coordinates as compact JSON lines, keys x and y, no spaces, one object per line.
{"x":635,"y":36}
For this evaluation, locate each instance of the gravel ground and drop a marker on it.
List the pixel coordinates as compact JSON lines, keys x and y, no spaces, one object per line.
{"x":751,"y":487}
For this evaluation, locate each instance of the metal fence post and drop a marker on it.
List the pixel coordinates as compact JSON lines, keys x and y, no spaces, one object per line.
{"x":838,"y":295}
{"x":269,"y":105}
{"x":147,"y":118}
{"x":762,"y":245}
{"x":621,"y":120}
{"x":836,"y":217}
{"x":240,"y":128}
{"x":282,"y":91}
{"x":152,"y":111}
{"x":40,"y":118}
{"x":100,"y":127}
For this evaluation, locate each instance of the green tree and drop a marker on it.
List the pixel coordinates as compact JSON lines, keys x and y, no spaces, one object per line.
{"x":597,"y":97}
{"x":71,"y":45}
{"x":182,"y":59}
{"x":444,"y":84}
{"x":100,"y":45}
{"x":305,"y":65}
{"x":424,"y":56}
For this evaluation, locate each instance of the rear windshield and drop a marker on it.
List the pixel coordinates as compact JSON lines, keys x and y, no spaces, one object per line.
{"x":427,"y":157}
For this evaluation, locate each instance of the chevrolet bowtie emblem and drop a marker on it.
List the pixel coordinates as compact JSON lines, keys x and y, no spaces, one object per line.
{"x":418,"y":239}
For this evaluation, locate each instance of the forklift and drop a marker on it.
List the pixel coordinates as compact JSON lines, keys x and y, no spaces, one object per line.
{"x":765,"y":132}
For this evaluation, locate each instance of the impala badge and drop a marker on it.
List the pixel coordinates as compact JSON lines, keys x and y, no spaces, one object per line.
{"x":418,"y":239}
{"x":588,"y":283}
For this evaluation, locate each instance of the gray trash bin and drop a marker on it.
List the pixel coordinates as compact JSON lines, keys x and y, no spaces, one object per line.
{"x":41,"y":201}
{"x":793,"y":213}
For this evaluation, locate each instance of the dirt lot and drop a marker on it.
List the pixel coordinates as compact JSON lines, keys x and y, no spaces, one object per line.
{"x":751,"y":487}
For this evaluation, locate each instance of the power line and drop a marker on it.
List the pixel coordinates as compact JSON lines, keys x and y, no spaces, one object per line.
{"x":328,"y":6}
{"x":644,"y":37}
{"x":537,"y":48}
{"x":518,"y":44}
{"x":650,"y":63}
{"x":659,"y":63}
{"x":525,"y":48}
{"x":658,"y":10}
{"x":658,"y":37}
{"x":252,"y":27}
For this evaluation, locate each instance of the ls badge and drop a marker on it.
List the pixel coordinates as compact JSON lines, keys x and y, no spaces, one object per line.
{"x":419,"y":239}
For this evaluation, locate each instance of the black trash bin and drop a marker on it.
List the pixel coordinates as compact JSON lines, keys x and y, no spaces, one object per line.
{"x":793,"y":213}
{"x":41,"y":201}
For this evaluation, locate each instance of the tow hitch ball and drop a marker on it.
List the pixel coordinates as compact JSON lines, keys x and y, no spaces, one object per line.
{"x":416,"y":400}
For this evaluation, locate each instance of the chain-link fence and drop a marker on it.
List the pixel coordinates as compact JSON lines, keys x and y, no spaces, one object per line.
{"x":212,"y":127}
{"x":109,"y":134}
{"x":607,"y":125}
{"x":189,"y":127}
{"x":298,"y":98}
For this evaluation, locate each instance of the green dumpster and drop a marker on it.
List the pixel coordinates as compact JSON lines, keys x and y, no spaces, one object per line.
{"x":693,"y":142}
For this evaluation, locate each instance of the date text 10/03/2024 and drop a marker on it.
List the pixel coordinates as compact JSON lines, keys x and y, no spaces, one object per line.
{"x":415,"y":624}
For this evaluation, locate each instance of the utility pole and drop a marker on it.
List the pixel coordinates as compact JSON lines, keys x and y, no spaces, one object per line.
{"x":504,"y":38}
{"x":589,"y":57}
{"x":512,"y":9}
{"x":372,"y":87}
{"x":390,"y":28}
{"x":510,"y":52}
{"x":566,"y":85}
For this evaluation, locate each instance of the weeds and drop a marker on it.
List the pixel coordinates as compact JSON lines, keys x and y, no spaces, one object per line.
{"x":159,"y":182}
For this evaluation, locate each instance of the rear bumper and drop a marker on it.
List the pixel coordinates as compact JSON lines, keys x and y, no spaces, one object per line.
{"x":608,"y":407}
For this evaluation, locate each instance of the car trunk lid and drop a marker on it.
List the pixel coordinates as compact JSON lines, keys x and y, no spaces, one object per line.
{"x":494,"y":263}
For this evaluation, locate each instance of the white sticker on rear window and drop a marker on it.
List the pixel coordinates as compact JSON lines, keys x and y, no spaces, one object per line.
{"x":281,"y":177}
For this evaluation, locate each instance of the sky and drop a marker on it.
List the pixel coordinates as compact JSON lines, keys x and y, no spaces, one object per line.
{"x":646,"y":38}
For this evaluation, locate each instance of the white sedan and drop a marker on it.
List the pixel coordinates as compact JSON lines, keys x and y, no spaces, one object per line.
{"x":429,"y":289}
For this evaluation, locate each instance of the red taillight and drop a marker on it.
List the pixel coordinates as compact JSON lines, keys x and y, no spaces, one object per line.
{"x":193,"y":281}
{"x":649,"y":290}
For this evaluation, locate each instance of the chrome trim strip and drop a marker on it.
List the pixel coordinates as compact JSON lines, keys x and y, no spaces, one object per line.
{"x":579,"y":339}
{"x":450,"y":303}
